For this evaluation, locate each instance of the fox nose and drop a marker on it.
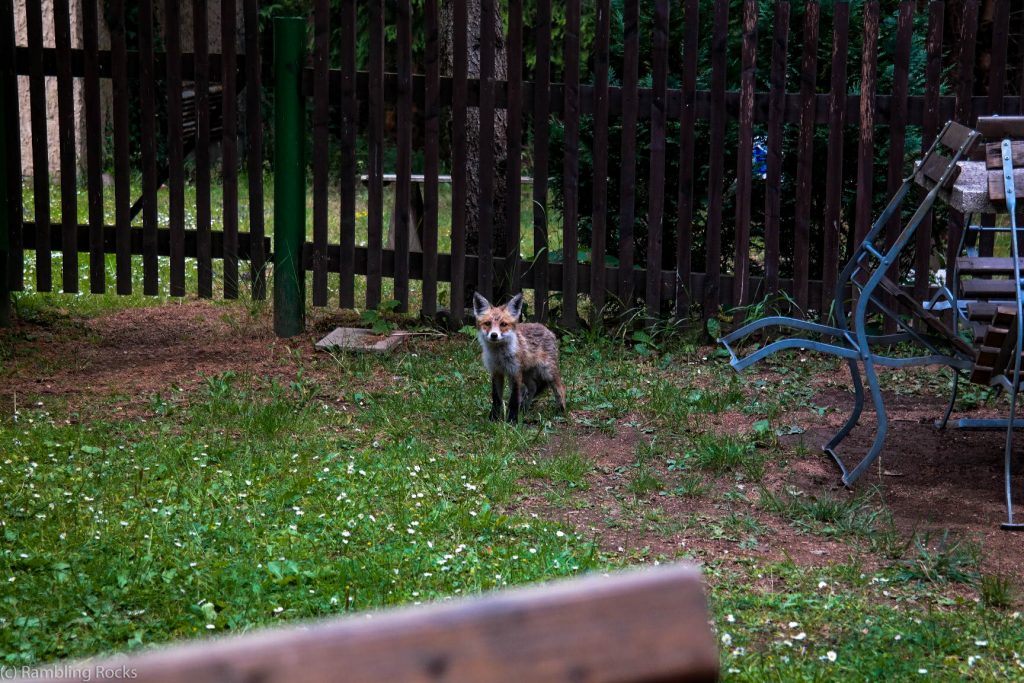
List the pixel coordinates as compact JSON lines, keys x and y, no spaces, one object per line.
{"x":494,"y":336}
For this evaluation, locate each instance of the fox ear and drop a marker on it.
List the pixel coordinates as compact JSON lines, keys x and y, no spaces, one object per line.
{"x":515,"y":306}
{"x":480,"y":304}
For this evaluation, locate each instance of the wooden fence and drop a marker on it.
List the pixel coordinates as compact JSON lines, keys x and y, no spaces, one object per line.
{"x":198,"y":95}
{"x":781,"y":92}
{"x":697,"y":86}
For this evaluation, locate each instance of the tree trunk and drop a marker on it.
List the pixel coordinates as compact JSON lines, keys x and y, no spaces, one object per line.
{"x":472,"y":170}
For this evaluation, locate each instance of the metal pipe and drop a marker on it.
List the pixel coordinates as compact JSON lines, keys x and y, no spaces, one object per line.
{"x":289,"y":177}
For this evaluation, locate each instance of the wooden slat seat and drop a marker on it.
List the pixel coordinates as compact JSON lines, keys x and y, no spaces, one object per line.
{"x":995,"y":350}
{"x":977,"y":288}
{"x":987,"y":265}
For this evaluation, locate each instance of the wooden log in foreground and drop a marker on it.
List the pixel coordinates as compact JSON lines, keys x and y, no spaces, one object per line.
{"x":649,"y":625}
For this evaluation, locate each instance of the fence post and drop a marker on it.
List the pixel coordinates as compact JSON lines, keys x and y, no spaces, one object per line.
{"x":289,"y":177}
{"x":5,"y":212}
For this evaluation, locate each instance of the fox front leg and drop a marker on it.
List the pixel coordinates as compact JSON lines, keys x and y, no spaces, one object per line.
{"x":497,"y":389}
{"x":514,"y":399}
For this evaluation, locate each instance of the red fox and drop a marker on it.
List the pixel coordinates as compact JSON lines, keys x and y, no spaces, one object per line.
{"x":526,"y":353}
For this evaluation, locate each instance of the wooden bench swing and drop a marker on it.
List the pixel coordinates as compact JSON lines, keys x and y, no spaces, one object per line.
{"x":985,"y":293}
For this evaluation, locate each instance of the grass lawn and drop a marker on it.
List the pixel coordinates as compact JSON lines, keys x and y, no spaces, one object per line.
{"x":211,"y":479}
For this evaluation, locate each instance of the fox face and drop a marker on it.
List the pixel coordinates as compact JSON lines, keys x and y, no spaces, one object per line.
{"x":496,"y":325}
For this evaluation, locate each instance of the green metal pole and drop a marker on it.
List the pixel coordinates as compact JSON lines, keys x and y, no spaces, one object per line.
{"x":289,"y":177}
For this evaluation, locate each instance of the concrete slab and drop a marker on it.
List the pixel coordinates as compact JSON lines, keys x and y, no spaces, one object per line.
{"x":970,"y":191}
{"x":361,"y":340}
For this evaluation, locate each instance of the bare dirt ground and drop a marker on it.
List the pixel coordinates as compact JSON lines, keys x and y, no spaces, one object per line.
{"x":930,"y":480}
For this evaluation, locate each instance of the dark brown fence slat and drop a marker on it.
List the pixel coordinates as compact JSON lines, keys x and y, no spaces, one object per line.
{"x":93,"y":146}
{"x":147,"y":95}
{"x":254,"y":146}
{"x":229,"y":146}
{"x":833,"y":231}
{"x":460,"y":71}
{"x":375,"y":166}
{"x":996,"y":82}
{"x":656,"y":180}
{"x":349,"y":113}
{"x":12,"y":157}
{"x":773,"y":177}
{"x":66,"y":137}
{"x":599,"y":219}
{"x":431,"y":156}
{"x":321,"y":63}
{"x":514,"y":166}
{"x":627,"y":174}
{"x":201,"y":48}
{"x":40,"y":146}
{"x":163,"y":241}
{"x":571,"y":162}
{"x":403,"y":189}
{"x":805,"y":156}
{"x":687,"y":120}
{"x":176,"y":149}
{"x":965,"y":86}
{"x":865,"y":155}
{"x":933,"y":74}
{"x":897,"y":127}
{"x":716,"y":169}
{"x":541,"y":102}
{"x":122,"y":167}
{"x":742,"y":294}
{"x":484,"y":202}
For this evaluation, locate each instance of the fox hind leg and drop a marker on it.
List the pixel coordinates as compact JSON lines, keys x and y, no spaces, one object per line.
{"x":559,"y":387}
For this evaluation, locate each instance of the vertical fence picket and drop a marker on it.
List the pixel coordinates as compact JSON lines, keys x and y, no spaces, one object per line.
{"x":996,"y":83}
{"x":865,"y":154}
{"x":460,"y":87}
{"x":656,"y":181}
{"x":15,"y":266}
{"x":484,"y":203}
{"x":741,"y":272}
{"x":963,"y":111}
{"x":321,"y":114}
{"x":571,"y":162}
{"x":403,"y":191}
{"x":599,"y":218}
{"x":349,"y":113}
{"x":40,"y":145}
{"x":898,"y":125}
{"x":541,"y":104}
{"x":431,"y":157}
{"x":176,"y":150}
{"x":201,"y":61}
{"x":66,"y":137}
{"x":514,"y":166}
{"x":716,"y":167}
{"x":93,"y":146}
{"x":627,"y":172}
{"x":929,"y":129}
{"x":229,"y":145}
{"x":805,"y":155}
{"x":687,"y":122}
{"x":833,"y":231}
{"x":254,"y":147}
{"x":122,"y":161}
{"x":147,"y":96}
{"x":375,"y":166}
{"x":773,"y":170}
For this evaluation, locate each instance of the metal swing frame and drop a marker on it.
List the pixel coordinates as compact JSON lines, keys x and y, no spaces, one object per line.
{"x":865,"y":273}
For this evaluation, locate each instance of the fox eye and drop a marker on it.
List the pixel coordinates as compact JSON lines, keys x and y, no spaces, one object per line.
{"x":504,"y":325}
